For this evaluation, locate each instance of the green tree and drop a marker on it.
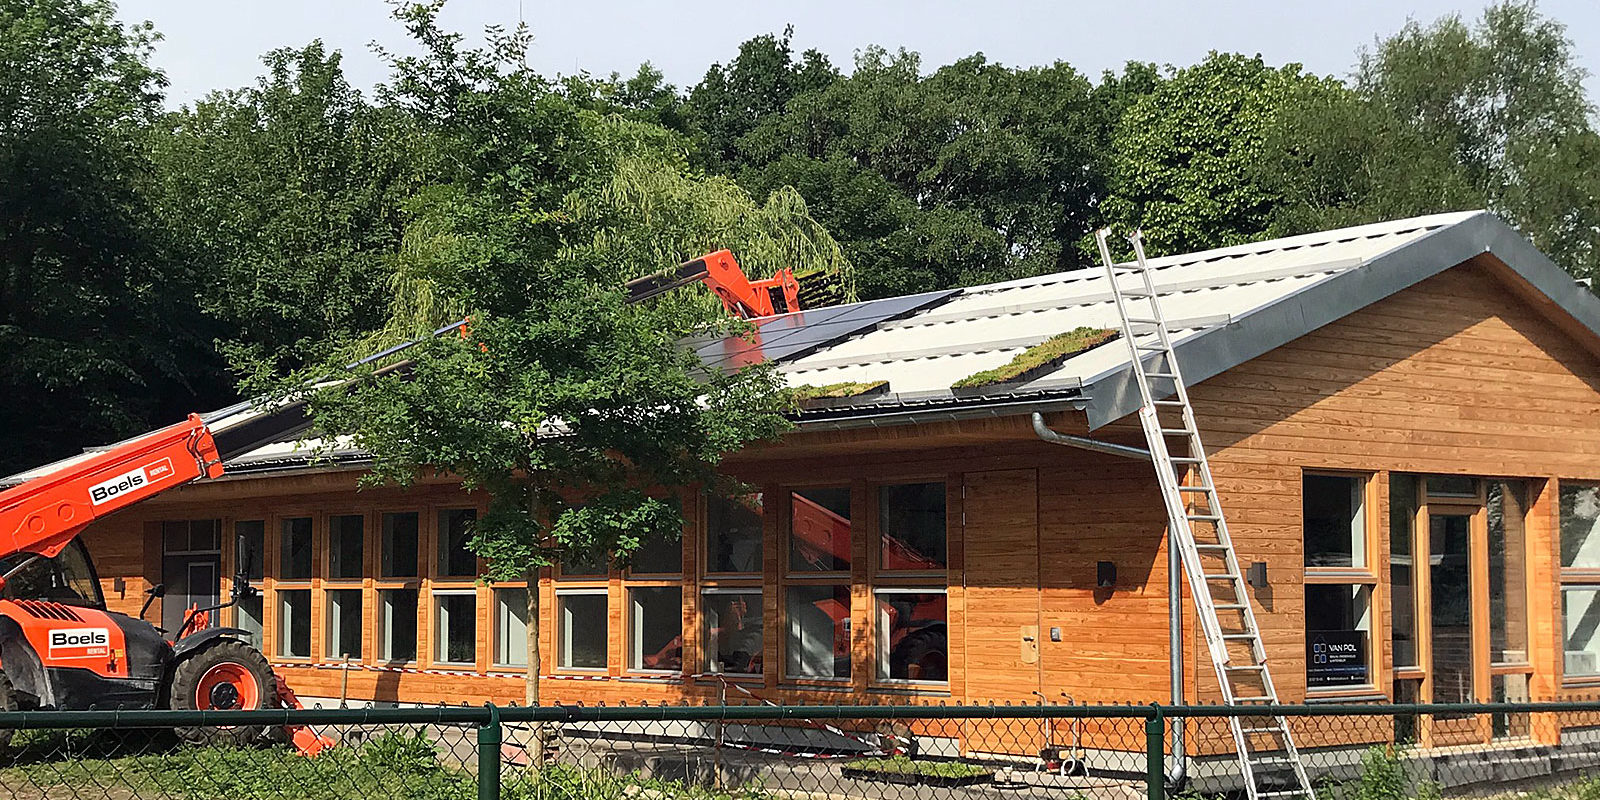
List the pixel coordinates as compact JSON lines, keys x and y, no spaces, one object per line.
{"x":575,"y":412}
{"x":1505,"y":97}
{"x":730,"y":101}
{"x":290,"y":193}
{"x":1185,"y":158}
{"x":97,"y":322}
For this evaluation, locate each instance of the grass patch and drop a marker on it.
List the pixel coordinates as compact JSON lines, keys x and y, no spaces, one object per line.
{"x":132,"y":764}
{"x":902,"y":765}
{"x":831,"y":391}
{"x":1047,"y":354}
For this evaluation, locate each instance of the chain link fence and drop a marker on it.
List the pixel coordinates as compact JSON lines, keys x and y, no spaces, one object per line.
{"x":1361,"y":752}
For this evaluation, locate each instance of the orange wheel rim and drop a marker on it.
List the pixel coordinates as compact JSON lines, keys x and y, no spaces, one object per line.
{"x":226,"y":687}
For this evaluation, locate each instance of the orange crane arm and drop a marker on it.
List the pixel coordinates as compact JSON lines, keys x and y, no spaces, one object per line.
{"x":44,"y":514}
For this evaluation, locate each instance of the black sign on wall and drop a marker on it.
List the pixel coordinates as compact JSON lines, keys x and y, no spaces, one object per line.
{"x":1336,"y":658}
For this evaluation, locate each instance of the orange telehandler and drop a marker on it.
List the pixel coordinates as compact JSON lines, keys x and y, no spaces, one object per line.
{"x":61,"y":648}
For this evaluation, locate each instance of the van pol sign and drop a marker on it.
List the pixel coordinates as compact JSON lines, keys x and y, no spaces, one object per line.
{"x":129,"y":481}
{"x":1336,"y":658}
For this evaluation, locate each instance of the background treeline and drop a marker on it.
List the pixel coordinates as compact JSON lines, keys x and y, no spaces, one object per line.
{"x":151,"y":258}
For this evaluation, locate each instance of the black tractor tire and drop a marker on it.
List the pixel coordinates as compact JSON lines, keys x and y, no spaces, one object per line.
{"x":226,"y":675}
{"x":8,"y":702}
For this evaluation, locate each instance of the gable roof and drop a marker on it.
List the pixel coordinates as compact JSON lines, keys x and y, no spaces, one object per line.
{"x":1226,"y":306}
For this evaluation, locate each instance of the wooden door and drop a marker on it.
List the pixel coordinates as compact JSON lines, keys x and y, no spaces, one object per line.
{"x":1001,"y":539}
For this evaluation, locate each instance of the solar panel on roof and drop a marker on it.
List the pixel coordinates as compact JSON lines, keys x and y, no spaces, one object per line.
{"x":790,"y":336}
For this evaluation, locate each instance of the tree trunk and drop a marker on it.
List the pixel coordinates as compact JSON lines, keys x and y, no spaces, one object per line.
{"x":530,"y":689}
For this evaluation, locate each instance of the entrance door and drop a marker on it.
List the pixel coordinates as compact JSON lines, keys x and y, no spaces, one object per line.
{"x":1452,"y":647}
{"x":191,"y":568}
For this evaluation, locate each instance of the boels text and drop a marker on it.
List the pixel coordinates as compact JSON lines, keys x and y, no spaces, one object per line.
{"x":79,"y":642}
{"x":129,"y":481}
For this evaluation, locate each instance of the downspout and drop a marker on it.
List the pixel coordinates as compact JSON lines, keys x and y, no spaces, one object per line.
{"x":1176,"y":776}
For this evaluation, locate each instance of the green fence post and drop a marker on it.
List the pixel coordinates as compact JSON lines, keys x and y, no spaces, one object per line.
{"x":1154,"y":753}
{"x":489,"y":756}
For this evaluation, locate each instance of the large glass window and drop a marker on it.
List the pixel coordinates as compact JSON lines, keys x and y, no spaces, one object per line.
{"x":1580,"y":611}
{"x":397,"y":550}
{"x":733,"y":629}
{"x":455,"y":529}
{"x":912,"y":640}
{"x":655,"y":629}
{"x":346,"y":540}
{"x":1338,"y":630}
{"x":455,"y":627}
{"x":344,"y":624}
{"x":1508,"y":588}
{"x":660,"y":555}
{"x":733,"y":534}
{"x":1580,"y":525}
{"x":911,"y":520}
{"x":511,"y":627}
{"x":1335,"y":528}
{"x":818,"y":637}
{"x":295,"y":549}
{"x":397,"y":624}
{"x":583,"y":629}
{"x":294,"y":623}
{"x":1402,"y":570}
{"x":819,"y":530}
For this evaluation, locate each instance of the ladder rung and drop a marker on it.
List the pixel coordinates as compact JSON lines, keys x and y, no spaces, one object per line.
{"x":1143,"y":321}
{"x":1205,"y":546}
{"x":1158,"y":348}
{"x":1170,"y":403}
{"x":1222,"y":576}
{"x":1238,"y":636}
{"x":1230,"y":606}
{"x":1176,"y":431}
{"x":1246,"y":667}
{"x":1184,"y":460}
{"x":1205,"y":517}
{"x":1253,"y":699}
{"x":1286,"y":793}
{"x":1166,"y":375}
{"x":1136,"y":293}
{"x":1201,"y":488}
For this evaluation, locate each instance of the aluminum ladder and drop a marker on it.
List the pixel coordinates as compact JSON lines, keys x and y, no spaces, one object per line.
{"x":1269,"y":763}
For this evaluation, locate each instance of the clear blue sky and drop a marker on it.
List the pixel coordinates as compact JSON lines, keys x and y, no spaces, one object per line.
{"x":214,"y":44}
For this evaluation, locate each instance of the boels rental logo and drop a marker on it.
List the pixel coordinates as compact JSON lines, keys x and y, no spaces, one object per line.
{"x":79,"y":643}
{"x":129,"y":481}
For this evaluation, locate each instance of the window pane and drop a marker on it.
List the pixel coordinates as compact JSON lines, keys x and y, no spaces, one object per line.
{"x":583,"y":630}
{"x":1335,"y":531}
{"x":1580,"y":610}
{"x":398,"y":550}
{"x":345,"y":535}
{"x":658,"y":556}
{"x":511,"y":627}
{"x":294,"y":623}
{"x":578,"y":565}
{"x":655,"y":628}
{"x":344,"y":624}
{"x":733,"y":632}
{"x":1402,"y":597}
{"x":1580,"y":525}
{"x":397,"y":624}
{"x":455,"y":560}
{"x":911,"y":636}
{"x":1450,"y":596}
{"x":247,"y":615}
{"x":456,"y":628}
{"x":252,"y":557}
{"x":1508,"y":589}
{"x":818,"y":644}
{"x":819,"y":530}
{"x":911,"y":521}
{"x":733,"y":534}
{"x":1338,"y":621}
{"x":295,"y":563}
{"x":1452,"y":486}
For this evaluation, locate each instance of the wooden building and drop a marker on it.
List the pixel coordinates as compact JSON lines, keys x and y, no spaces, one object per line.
{"x":1403,"y":421}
